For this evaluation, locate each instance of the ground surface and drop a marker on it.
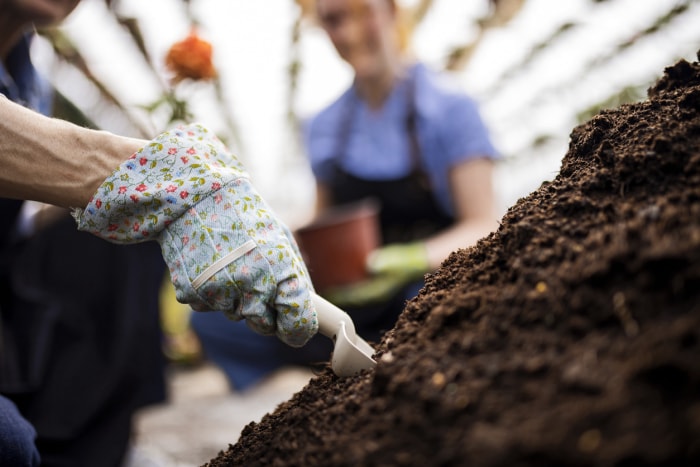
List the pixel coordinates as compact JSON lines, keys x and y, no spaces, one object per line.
{"x":571,"y":336}
{"x":203,"y":415}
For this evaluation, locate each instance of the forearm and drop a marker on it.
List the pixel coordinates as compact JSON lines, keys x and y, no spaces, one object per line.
{"x":474,"y":203}
{"x":461,"y":235}
{"x":53,"y":161}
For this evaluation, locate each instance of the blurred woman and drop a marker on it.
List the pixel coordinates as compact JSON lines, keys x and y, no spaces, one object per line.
{"x":406,"y":137}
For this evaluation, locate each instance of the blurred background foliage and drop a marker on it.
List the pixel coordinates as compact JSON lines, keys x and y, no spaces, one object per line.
{"x":537,"y":67}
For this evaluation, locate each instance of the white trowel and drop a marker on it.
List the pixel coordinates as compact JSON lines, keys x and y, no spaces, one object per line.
{"x":351,"y":353}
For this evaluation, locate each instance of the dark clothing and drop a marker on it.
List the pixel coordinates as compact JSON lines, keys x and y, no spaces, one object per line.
{"x":18,"y":82}
{"x":80,"y":342}
{"x":408,"y":211}
{"x":84,"y":312}
{"x":17,"y":447}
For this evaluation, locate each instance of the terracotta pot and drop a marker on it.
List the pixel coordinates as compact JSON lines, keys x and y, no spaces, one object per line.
{"x":335,"y":246}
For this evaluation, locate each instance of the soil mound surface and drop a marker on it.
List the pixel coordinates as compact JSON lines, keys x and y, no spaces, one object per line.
{"x":571,"y":336}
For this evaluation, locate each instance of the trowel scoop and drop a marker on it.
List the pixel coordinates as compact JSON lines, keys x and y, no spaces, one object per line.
{"x":351,"y":353}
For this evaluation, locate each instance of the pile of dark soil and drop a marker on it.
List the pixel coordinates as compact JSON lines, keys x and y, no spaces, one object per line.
{"x":571,"y":336}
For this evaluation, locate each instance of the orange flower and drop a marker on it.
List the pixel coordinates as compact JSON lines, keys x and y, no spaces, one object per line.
{"x":191,"y":58}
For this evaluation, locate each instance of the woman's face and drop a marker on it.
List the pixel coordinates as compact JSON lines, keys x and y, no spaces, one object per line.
{"x":40,"y":12}
{"x":363,"y":32}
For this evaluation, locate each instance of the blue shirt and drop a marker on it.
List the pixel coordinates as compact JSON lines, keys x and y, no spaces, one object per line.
{"x":449,"y":131}
{"x":21,"y":83}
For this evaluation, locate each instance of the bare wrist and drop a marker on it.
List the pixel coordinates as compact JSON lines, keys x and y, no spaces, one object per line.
{"x":102,"y":153}
{"x":54,"y":161}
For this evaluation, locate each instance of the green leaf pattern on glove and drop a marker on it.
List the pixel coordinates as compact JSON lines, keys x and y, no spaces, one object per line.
{"x":185,"y":190}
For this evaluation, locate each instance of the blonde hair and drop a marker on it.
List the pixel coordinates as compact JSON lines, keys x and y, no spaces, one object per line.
{"x":404,"y":27}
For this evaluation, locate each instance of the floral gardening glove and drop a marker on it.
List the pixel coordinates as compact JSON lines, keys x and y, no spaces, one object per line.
{"x":224,"y":247}
{"x":391,"y":267}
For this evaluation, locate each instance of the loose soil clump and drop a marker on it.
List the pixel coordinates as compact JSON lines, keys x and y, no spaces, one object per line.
{"x":570,"y":336}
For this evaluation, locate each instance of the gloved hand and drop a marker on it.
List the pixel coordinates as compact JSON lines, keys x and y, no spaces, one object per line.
{"x":224,"y":247}
{"x":391,"y":268}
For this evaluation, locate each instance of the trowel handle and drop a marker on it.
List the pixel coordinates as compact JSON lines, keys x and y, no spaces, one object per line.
{"x":330,"y":318}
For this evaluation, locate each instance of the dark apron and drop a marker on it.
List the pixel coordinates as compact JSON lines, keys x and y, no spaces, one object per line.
{"x":81,"y":346}
{"x":408,"y":212}
{"x":408,"y":208}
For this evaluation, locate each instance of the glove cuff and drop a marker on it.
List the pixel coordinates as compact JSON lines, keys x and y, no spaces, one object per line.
{"x":158,"y":184}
